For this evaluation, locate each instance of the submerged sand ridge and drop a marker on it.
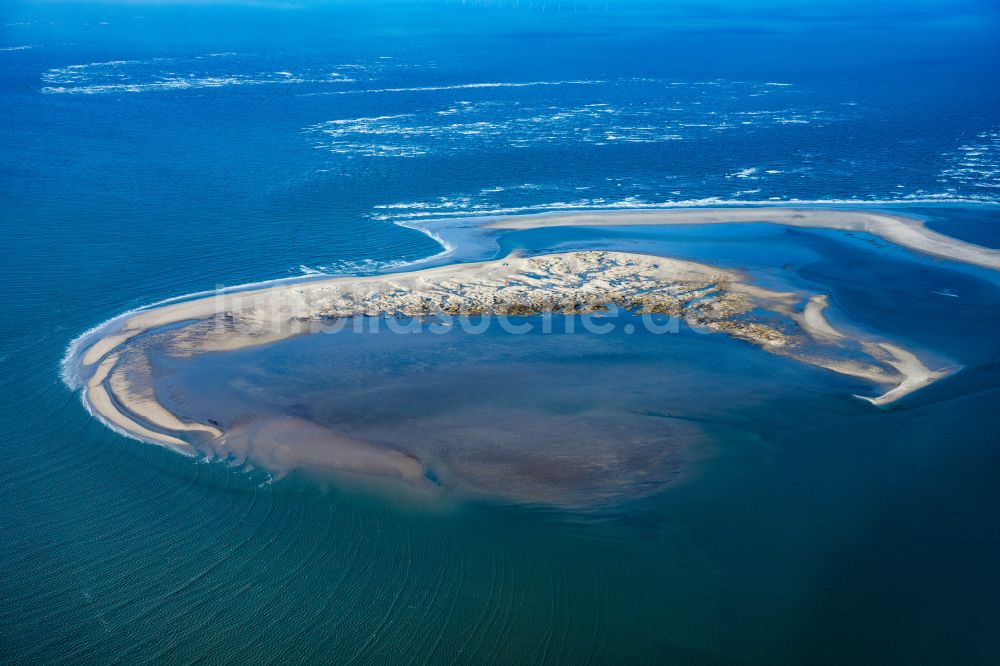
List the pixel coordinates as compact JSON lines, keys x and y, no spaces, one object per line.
{"x":119,"y":385}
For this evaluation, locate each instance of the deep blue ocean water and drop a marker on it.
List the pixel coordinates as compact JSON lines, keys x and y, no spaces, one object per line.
{"x":154,"y":150}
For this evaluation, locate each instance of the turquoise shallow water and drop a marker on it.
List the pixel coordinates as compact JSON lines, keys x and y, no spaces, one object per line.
{"x":873,"y":539}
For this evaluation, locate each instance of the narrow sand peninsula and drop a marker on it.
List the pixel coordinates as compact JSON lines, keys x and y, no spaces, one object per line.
{"x":903,"y":231}
{"x":119,"y":383}
{"x":916,"y":374}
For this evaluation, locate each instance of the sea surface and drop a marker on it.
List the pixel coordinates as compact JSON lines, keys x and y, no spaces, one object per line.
{"x":156,"y":150}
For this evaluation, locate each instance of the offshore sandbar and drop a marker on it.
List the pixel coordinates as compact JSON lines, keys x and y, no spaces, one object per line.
{"x":904,"y":231}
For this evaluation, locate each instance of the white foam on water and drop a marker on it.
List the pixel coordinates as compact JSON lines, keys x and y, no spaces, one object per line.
{"x":348,"y":267}
{"x":465,"y":125}
{"x":469,"y":86}
{"x":975,"y":163}
{"x":170,"y":74}
{"x":434,"y":211}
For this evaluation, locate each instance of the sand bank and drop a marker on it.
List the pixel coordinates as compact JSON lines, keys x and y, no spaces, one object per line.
{"x":119,"y":387}
{"x":903,"y":231}
{"x":915,"y":374}
{"x":814,"y":321}
{"x":97,"y":396}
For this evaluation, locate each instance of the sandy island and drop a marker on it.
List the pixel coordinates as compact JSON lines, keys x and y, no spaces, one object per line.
{"x":114,"y":370}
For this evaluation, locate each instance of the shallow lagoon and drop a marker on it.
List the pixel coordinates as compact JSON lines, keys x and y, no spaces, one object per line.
{"x":571,"y":418}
